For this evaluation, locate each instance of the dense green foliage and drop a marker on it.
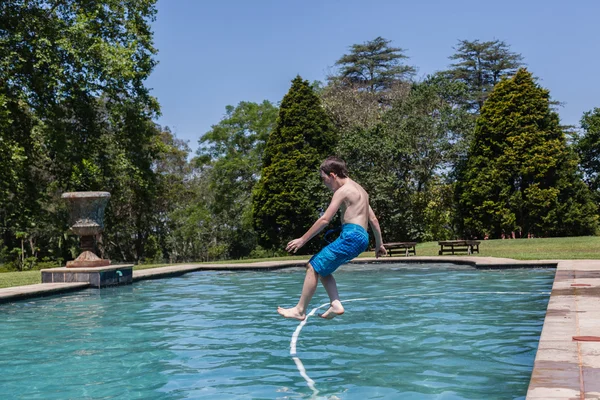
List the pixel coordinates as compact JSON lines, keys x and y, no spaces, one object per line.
{"x":404,"y":161}
{"x":289,"y":194}
{"x":75,"y":115}
{"x":520,"y":175}
{"x":588,"y":148}
{"x":232,"y":156}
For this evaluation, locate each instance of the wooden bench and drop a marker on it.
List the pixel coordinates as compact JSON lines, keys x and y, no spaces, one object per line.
{"x":407,"y":247}
{"x":450,"y":246}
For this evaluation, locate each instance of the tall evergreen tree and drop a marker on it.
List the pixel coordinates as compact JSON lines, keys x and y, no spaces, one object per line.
{"x":588,"y":148}
{"x":481,"y":65}
{"x":520,"y":175}
{"x":289,"y":194}
{"x":374,"y":65}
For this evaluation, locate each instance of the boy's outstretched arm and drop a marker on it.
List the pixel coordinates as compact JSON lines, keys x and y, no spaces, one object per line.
{"x":374,"y":223}
{"x":319,"y":224}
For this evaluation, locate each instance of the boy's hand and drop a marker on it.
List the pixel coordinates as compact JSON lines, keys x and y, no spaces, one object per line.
{"x":294,"y":245}
{"x":380,"y":251}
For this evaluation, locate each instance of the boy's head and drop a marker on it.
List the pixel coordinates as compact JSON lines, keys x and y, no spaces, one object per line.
{"x":335,"y":165}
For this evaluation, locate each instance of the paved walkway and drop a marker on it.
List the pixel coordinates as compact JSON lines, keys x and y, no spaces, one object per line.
{"x":567,"y":363}
{"x":39,"y":290}
{"x":566,"y":368}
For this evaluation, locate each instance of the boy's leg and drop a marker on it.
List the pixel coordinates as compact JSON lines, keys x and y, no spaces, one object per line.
{"x":308,"y":290}
{"x":336,"y":307}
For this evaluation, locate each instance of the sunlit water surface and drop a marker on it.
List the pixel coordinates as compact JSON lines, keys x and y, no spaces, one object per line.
{"x":421,"y":332}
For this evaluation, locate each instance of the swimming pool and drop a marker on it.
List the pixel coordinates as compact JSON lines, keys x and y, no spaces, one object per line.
{"x":422,"y":332}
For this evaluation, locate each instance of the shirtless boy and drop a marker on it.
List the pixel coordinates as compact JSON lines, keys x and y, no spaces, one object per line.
{"x":356,"y":214}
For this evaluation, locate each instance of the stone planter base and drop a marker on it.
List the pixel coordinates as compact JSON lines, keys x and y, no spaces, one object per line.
{"x":88,"y":264}
{"x":98,"y":277}
{"x":88,"y":259}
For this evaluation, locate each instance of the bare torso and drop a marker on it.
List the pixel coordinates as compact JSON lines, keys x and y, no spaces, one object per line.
{"x":355,"y":204}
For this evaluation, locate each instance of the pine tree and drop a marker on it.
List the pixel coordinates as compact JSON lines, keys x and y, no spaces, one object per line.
{"x":588,"y":148}
{"x":481,"y":65}
{"x":520,"y":174}
{"x":288,"y":197}
{"x":374,"y":65}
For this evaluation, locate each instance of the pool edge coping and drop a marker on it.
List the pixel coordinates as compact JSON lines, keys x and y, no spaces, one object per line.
{"x":565,"y":368}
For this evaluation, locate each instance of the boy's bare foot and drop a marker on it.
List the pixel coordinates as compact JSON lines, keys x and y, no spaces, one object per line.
{"x":291,"y":313}
{"x":333,"y":311}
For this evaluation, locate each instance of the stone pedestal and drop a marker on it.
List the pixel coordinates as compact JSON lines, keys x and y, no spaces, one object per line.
{"x":98,"y":277}
{"x":88,"y":259}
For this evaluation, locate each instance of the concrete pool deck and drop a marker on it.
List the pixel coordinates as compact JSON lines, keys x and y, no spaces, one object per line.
{"x":567,"y":363}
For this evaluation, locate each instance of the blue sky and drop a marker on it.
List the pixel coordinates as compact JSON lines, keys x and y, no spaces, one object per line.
{"x":215,"y":53}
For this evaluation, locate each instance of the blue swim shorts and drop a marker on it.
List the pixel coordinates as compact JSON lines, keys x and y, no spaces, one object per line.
{"x":353,"y":240}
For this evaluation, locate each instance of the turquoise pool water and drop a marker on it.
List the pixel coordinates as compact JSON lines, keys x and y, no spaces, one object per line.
{"x":435,"y":332}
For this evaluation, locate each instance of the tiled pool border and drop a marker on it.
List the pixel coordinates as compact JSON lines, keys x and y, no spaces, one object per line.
{"x":564,"y":368}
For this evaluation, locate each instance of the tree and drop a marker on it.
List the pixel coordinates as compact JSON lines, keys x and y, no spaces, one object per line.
{"x":192,"y":228}
{"x":588,"y":148}
{"x":174,"y":191}
{"x":403,"y":162}
{"x":481,"y":65}
{"x":127,"y":166}
{"x":289,"y":194}
{"x":73,"y":98}
{"x":231,"y":153}
{"x":369,"y":80}
{"x":374,"y":65}
{"x":520,"y":176}
{"x":13,"y":188}
{"x":351,"y":108}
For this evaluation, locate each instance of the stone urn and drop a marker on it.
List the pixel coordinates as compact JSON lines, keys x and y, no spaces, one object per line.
{"x":86,"y":218}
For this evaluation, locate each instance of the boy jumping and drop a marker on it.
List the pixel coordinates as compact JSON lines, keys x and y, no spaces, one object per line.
{"x":356,"y":214}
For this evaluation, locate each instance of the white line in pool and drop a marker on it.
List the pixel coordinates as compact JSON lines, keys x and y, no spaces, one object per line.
{"x":296,"y":334}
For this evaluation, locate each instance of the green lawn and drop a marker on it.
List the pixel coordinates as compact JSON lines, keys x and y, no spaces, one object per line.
{"x":571,"y":248}
{"x":584,"y":247}
{"x":8,"y":279}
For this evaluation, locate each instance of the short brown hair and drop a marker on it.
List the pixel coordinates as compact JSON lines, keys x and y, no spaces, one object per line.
{"x":335,"y":165}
